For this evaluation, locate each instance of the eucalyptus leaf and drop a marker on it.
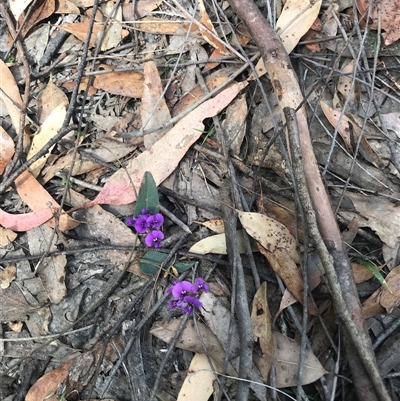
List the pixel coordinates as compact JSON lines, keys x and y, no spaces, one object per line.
{"x":147,"y":196}
{"x":152,"y":260}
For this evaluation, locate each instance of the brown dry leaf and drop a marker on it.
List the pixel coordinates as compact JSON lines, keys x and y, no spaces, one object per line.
{"x":48,"y":100}
{"x":189,"y":339}
{"x":48,"y":130}
{"x":66,"y":7}
{"x":377,"y":213}
{"x":80,"y":30}
{"x":7,"y":275}
{"x":361,"y":273}
{"x":390,"y":296}
{"x":295,"y":20}
{"x":129,"y":83}
{"x":384,"y":13}
{"x":287,"y":353}
{"x":153,"y":108}
{"x":350,"y":132}
{"x":372,"y":306}
{"x":284,"y":216}
{"x":14,"y":306}
{"x":159,"y":26}
{"x":215,"y":225}
{"x":196,"y":94}
{"x":48,"y":383}
{"x":7,"y":236}
{"x":271,"y":234}
{"x":344,"y":85}
{"x":282,"y":264}
{"x":7,"y":149}
{"x":51,"y":269}
{"x":262,"y":330}
{"x":344,"y":128}
{"x":139,"y":9}
{"x":41,"y":10}
{"x":170,"y":149}
{"x":199,"y":382}
{"x":210,"y":39}
{"x":235,"y":123}
{"x":113,"y":32}
{"x":10,"y":95}
{"x":106,"y":149}
{"x":286,"y":300}
{"x":38,"y":199}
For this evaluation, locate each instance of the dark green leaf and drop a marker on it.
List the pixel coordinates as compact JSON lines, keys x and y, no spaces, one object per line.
{"x":152,"y":260}
{"x":148,"y":195}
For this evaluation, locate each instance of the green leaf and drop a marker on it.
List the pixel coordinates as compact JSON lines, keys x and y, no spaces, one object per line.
{"x":152,"y":260}
{"x":375,"y":271}
{"x":148,"y":195}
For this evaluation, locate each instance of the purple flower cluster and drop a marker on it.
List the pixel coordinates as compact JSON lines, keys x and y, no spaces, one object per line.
{"x":186,"y":295}
{"x":148,"y":224}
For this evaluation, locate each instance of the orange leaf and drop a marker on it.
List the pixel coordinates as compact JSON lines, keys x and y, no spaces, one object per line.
{"x":7,"y":149}
{"x":37,"y":198}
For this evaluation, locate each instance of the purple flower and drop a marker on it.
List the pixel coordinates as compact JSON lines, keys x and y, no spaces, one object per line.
{"x":130,"y":221}
{"x":141,"y":224}
{"x":145,"y":212}
{"x":201,"y":285}
{"x":188,"y":303}
{"x":153,"y":239}
{"x":155,"y":221}
{"x":181,"y":288}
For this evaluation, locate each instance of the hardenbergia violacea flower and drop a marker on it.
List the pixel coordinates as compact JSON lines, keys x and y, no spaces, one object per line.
{"x":149,"y":225}
{"x":185,"y":295}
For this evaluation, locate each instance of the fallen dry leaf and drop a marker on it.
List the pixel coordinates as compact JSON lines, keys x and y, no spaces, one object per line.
{"x":66,"y":7}
{"x":170,"y":149}
{"x":7,"y":236}
{"x":159,"y":26}
{"x":127,"y":83}
{"x":153,"y":108}
{"x":199,"y":382}
{"x":41,"y":10}
{"x":25,"y":222}
{"x":48,"y":383}
{"x":48,"y":100}
{"x":27,"y":185}
{"x":7,"y":275}
{"x":18,"y":7}
{"x":47,"y":131}
{"x":385,"y":14}
{"x":215,"y":225}
{"x":134,"y":11}
{"x":282,"y":264}
{"x":208,"y":37}
{"x":379,"y":214}
{"x":287,"y":353}
{"x":7,"y":149}
{"x":345,"y":83}
{"x":189,"y":339}
{"x":51,"y":269}
{"x":295,"y":20}
{"x":271,"y":234}
{"x":390,"y":296}
{"x":9,"y":94}
{"x":262,"y":330}
{"x":217,"y":244}
{"x":218,"y":319}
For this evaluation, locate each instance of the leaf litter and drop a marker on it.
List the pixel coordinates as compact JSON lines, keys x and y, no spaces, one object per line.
{"x":69,"y":256}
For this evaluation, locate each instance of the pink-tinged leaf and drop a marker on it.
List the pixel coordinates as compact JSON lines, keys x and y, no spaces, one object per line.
{"x":7,"y":149}
{"x":25,"y":222}
{"x":163,"y":157}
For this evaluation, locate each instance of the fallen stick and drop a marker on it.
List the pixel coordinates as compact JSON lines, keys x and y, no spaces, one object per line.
{"x":319,"y":215}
